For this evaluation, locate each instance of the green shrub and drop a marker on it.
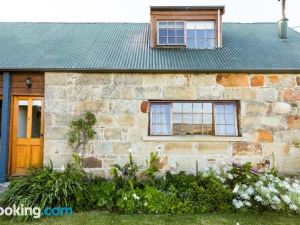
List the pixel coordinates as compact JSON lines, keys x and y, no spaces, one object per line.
{"x":45,"y":187}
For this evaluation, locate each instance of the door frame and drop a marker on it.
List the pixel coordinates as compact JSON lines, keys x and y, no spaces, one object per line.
{"x":14,"y":98}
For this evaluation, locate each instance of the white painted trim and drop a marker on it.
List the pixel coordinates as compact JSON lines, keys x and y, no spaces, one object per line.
{"x":219,"y":28}
{"x":193,"y":138}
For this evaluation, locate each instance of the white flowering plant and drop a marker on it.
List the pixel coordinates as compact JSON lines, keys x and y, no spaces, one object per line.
{"x":262,"y":191}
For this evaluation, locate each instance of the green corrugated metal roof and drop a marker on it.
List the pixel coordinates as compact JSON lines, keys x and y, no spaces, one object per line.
{"x":126,"y":47}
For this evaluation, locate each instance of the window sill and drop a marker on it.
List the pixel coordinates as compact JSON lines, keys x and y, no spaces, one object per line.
{"x":192,"y":139}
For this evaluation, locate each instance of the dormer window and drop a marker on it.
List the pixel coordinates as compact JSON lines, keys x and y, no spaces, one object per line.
{"x":200,"y":34}
{"x":171,"y":33}
{"x":192,"y":34}
{"x":194,"y":27}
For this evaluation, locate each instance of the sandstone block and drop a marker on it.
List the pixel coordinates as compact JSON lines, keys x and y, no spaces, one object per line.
{"x":293,"y":122}
{"x":92,"y":162}
{"x":292,"y":95}
{"x":256,"y":108}
{"x":264,"y":136}
{"x":182,"y":148}
{"x":233,"y":80}
{"x":257,"y":81}
{"x":275,"y":149}
{"x":112,"y":134}
{"x":180,"y":93}
{"x":271,"y":121}
{"x":267,"y":95}
{"x":246,"y":148}
{"x":121,"y":147}
{"x":281,"y":108}
{"x":239,"y":94}
{"x":213,"y":148}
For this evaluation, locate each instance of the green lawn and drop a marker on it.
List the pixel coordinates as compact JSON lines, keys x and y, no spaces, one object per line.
{"x":105,"y":218}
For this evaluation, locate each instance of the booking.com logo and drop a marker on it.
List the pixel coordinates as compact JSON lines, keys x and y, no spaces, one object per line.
{"x":35,"y":212}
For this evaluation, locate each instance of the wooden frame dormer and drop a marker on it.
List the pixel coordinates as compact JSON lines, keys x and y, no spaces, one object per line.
{"x":186,"y":13}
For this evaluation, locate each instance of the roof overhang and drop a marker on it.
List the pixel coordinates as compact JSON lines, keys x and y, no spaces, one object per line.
{"x":187,"y":8}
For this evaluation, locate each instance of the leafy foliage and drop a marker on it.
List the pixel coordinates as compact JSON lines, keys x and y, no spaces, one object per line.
{"x":81,"y":131}
{"x":45,"y":187}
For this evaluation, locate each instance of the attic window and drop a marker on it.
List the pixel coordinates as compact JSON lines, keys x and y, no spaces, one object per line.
{"x":200,"y":34}
{"x":191,"y":34}
{"x":171,"y":33}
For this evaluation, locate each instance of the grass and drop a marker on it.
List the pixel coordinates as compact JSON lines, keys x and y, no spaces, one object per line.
{"x":106,"y":218}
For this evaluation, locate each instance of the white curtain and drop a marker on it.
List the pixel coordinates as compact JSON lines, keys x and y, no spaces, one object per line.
{"x":160,"y":119}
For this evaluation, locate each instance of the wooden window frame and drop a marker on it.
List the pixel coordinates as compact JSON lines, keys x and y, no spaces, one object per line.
{"x":236,"y":113}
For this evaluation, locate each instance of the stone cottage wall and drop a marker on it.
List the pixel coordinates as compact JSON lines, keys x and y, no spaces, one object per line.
{"x":269,"y":118}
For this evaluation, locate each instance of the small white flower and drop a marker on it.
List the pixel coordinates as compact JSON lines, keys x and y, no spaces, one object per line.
{"x":258,"y":198}
{"x":145,"y":204}
{"x":276,"y":199}
{"x":286,"y":199}
{"x":247,"y":203}
{"x":250,"y":190}
{"x":125,"y":198}
{"x":237,"y":203}
{"x":135,"y":196}
{"x":62,"y":168}
{"x":236,"y":188}
{"x":130,"y":150}
{"x":293,"y":207}
{"x":230,"y":177}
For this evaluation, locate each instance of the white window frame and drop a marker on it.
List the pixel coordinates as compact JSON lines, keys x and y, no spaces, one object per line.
{"x":175,"y":44}
{"x":185,"y":33}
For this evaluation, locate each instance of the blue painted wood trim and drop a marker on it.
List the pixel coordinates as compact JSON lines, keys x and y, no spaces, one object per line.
{"x":5,"y":124}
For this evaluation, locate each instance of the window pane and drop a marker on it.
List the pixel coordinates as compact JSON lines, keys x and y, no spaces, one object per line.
{"x":22,"y":119}
{"x":180,"y":40}
{"x":160,"y":119}
{"x":220,"y":119}
{"x":201,"y":44}
{"x":207,"y":119}
{"x":171,"y":24}
{"x":210,"y":34}
{"x":220,"y":130}
{"x":197,"y":107}
{"x":163,"y":24}
{"x":230,"y":129}
{"x":36,"y":118}
{"x":177,"y":118}
{"x":163,"y":40}
{"x":207,"y":130}
{"x":207,"y":107}
{"x":187,"y":118}
{"x":191,"y":34}
{"x":180,"y":24}
{"x":225,"y":119}
{"x":200,"y":34}
{"x":229,"y":108}
{"x":229,"y":119}
{"x":177,"y":107}
{"x":210,"y":43}
{"x":190,"y":43}
{"x":177,"y":129}
{"x":197,"y":119}
{"x":171,"y":40}
{"x":180,"y":33}
{"x":187,"y":107}
{"x":171,"y":33}
{"x":219,"y":108}
{"x":163,"y":32}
